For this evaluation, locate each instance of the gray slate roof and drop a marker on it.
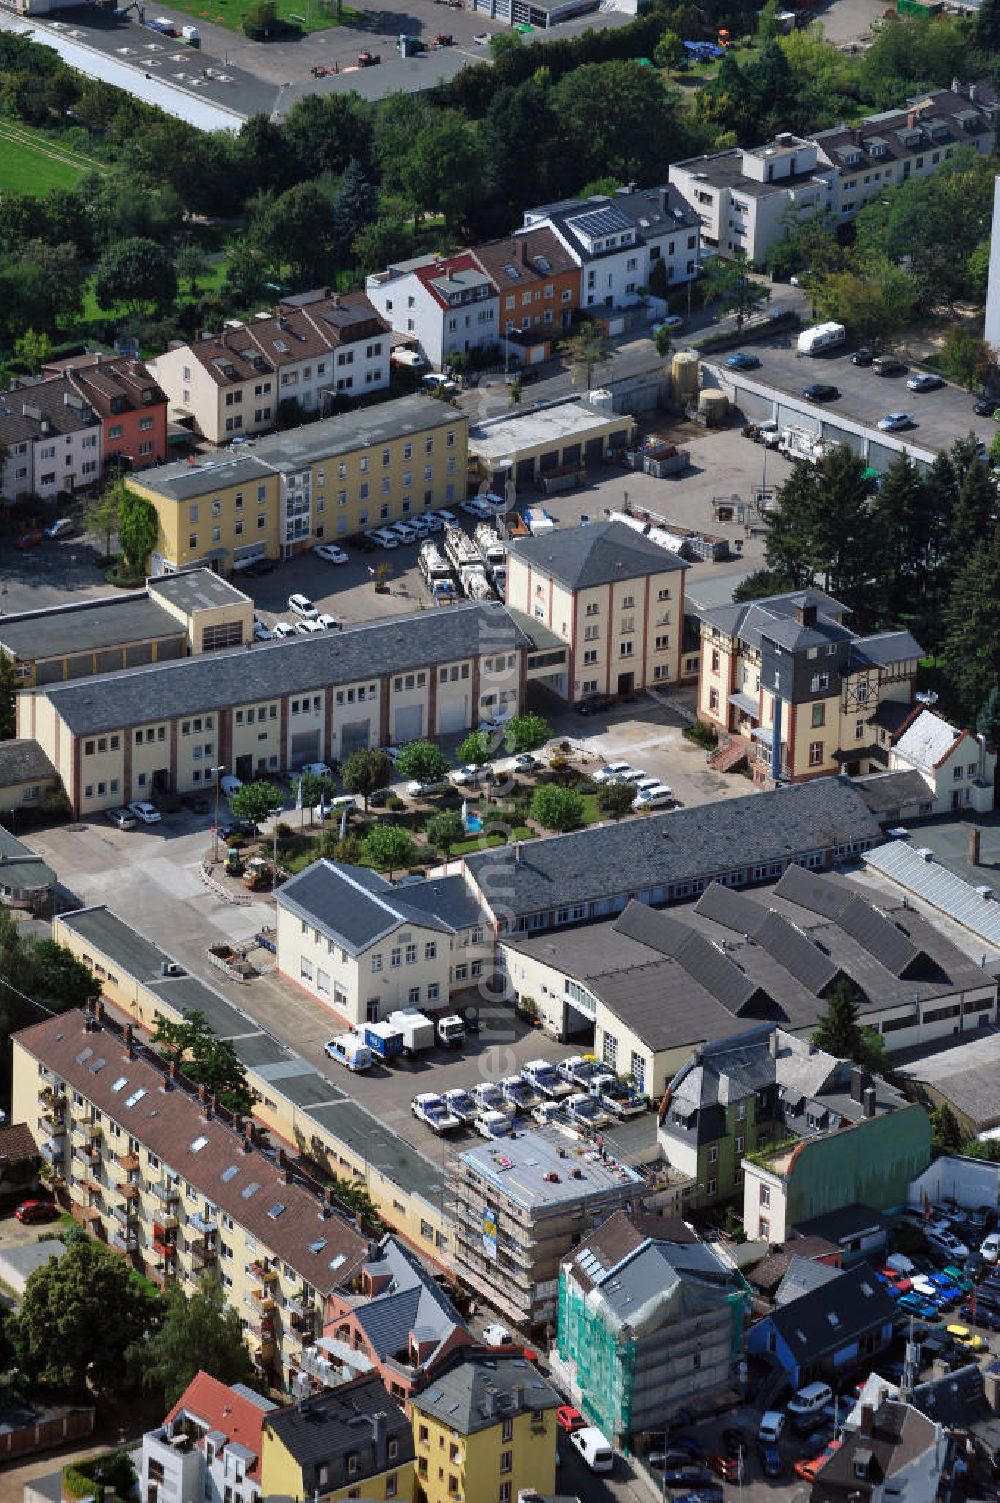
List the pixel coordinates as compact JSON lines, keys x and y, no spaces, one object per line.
{"x":358,"y":907}
{"x":477,"y":1389}
{"x":87,"y":626}
{"x":273,"y":669}
{"x":857,"y":1302}
{"x":603,"y":553}
{"x":888,"y":793}
{"x":803,"y":1276}
{"x":21,"y":761}
{"x":410,"y":1302}
{"x":327,"y":1426}
{"x":607,"y":861}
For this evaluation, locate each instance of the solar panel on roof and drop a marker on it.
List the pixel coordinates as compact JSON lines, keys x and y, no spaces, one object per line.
{"x":601,"y":222}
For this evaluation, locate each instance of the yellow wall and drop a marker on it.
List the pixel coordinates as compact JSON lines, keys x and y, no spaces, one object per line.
{"x":281,"y":1476}
{"x":475,"y":1460}
{"x":189,"y":530}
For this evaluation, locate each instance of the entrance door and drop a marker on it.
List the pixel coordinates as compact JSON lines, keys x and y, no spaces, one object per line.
{"x":626,"y":683}
{"x":161,"y":780}
{"x":244,"y":769}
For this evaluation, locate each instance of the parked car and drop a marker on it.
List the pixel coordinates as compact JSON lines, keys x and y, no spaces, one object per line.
{"x":36,"y":1210}
{"x":229,"y":784}
{"x":59,"y":529}
{"x":330,"y":553}
{"x":895,"y":422}
{"x":924,"y":382}
{"x":965,"y":1338}
{"x":30,"y":539}
{"x":769,"y":1457}
{"x":198,"y":803}
{"x":919,"y":1305}
{"x":613,"y":772}
{"x":122,"y":819}
{"x":493,"y":1125}
{"x":261,"y":633}
{"x":821,"y":391}
{"x":808,"y":1468}
{"x":260,"y":566}
{"x":900,"y":1281}
{"x":569,"y":1419}
{"x":585,"y":1111}
{"x":467,"y":776}
{"x":989,"y":1248}
{"x":862,"y":357}
{"x":327,"y":622}
{"x":146,"y":812}
{"x":527,"y":762}
{"x":594,"y":704}
{"x":742,"y":362}
{"x":946,"y":1242}
{"x":985,"y":406}
{"x":307,"y":628}
{"x":810,"y":1399}
{"x":460,"y":1104}
{"x":726,"y":1467}
{"x":282,"y":630}
{"x":302,"y":606}
{"x":550,"y":1114}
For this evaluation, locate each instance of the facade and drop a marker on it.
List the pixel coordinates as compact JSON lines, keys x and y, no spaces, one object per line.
{"x":314,"y":348}
{"x":131,"y":406}
{"x":165,"y":1176}
{"x":615,"y":598}
{"x":794,"y":692}
{"x":889,"y":1450}
{"x":594,"y":873}
{"x":485,"y":1430}
{"x":538,"y":283}
{"x":747,"y":199}
{"x":619,"y":240}
{"x":51,"y":439}
{"x":350,"y":1442}
{"x":956,"y":766}
{"x":868,"y":1162}
{"x":171,"y":618}
{"x":26,"y":776}
{"x":552,"y":444}
{"x":208,"y":1447}
{"x":446,"y":304}
{"x":168,"y":726}
{"x":650,"y":1321}
{"x":521,"y":1205}
{"x":824,"y":1334}
{"x":364,"y":948}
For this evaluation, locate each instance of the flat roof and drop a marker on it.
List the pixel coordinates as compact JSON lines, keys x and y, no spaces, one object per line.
{"x":539,"y":1170}
{"x":197,"y":590}
{"x":556,"y":424}
{"x":86,"y":626}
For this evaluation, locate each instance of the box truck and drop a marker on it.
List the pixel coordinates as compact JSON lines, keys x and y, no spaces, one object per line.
{"x":417,"y":1030}
{"x":821,"y":337}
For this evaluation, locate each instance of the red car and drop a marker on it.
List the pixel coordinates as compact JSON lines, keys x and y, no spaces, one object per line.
{"x":36,"y":1210}
{"x":569,"y":1419}
{"x":898,"y":1280}
{"x":807,"y":1469}
{"x":30,"y":539}
{"x":726,"y":1467}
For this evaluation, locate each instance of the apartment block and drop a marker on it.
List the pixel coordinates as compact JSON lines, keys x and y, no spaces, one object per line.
{"x":538,"y":281}
{"x":178,"y":1186}
{"x":794,"y":693}
{"x":167,"y":726}
{"x":444,"y":304}
{"x":314,"y":348}
{"x":208,"y":1447}
{"x":51,"y":438}
{"x":131,"y":407}
{"x":320,"y":482}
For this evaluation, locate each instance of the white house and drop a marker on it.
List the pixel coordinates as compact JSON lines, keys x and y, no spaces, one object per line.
{"x":445,"y":304}
{"x":208,"y":1447}
{"x":955,"y":765}
{"x":51,"y":439}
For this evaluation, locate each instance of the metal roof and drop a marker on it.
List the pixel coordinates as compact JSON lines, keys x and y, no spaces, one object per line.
{"x":939,"y":887}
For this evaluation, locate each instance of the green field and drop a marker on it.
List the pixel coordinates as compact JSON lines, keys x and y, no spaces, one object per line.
{"x":31,"y":162}
{"x":305,"y":15}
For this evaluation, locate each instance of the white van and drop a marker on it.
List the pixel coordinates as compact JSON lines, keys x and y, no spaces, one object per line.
{"x":821,"y":337}
{"x":811,"y":1399}
{"x":658,"y":797}
{"x":594,"y":1448}
{"x":334,"y":806}
{"x":771,"y":1425}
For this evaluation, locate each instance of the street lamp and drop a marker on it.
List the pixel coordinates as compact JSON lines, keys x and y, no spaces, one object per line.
{"x":215,"y":771}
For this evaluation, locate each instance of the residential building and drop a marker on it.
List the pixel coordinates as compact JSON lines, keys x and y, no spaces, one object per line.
{"x":887,"y":149}
{"x":548,"y":446}
{"x":889,"y":1453}
{"x":956,"y":766}
{"x":615,"y":598}
{"x":398,"y":1318}
{"x":26,"y":776}
{"x":747,"y":198}
{"x":315,"y":347}
{"x":322,"y":481}
{"x":364,"y":948}
{"x":169,"y":726}
{"x":485,"y":1429}
{"x":522,"y":1204}
{"x":654,"y":985}
{"x":618,"y":240}
{"x":767,"y":1276}
{"x":208,"y":1447}
{"x":856,"y":1231}
{"x":594,"y":873}
{"x":445,"y":304}
{"x":173,"y":617}
{"x":538,"y":283}
{"x":650,"y":1321}
{"x":51,"y":441}
{"x":741,"y":1095}
{"x":828,"y":1332}
{"x":796,"y":694}
{"x":163,"y":1174}
{"x":350,"y":1442}
{"x":295,"y":1101}
{"x":131,"y":407}
{"x":19,"y":1162}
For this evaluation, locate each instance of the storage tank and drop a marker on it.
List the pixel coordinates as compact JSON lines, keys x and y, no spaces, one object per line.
{"x":684,"y":375}
{"x":713,"y":406}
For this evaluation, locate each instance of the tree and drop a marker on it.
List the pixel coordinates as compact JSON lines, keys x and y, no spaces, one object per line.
{"x":422,"y":761}
{"x":197,"y":1334}
{"x":662,"y":341}
{"x":366,"y":771}
{"x":730,"y":284}
{"x":138,"y":529}
{"x":387,"y":239}
{"x":514,"y":392}
{"x":873,"y":303}
{"x":840,"y":1033}
{"x":670,"y":49}
{"x":987,"y":721}
{"x":965,"y":357}
{"x":103,"y":512}
{"x":974,"y":514}
{"x":8,"y":689}
{"x":970,"y":653}
{"x":445,"y":169}
{"x":79,"y":1316}
{"x":33,"y":350}
{"x":588,"y":353}
{"x":619,"y":117}
{"x":388,"y":847}
{"x":191,"y":264}
{"x":355,"y":205}
{"x":57,"y":978}
{"x":293,"y":231}
{"x":556,"y":808}
{"x":946,"y":1135}
{"x":526,"y":733}
{"x":445,"y":830}
{"x":209,"y":1061}
{"x":259,"y":19}
{"x":615,"y":799}
{"x":136,"y":272}
{"x":477,"y":749}
{"x":312,"y":788}
{"x":257,"y":801}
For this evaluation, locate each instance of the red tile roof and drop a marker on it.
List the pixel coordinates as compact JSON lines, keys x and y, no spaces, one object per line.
{"x":220,"y":1408}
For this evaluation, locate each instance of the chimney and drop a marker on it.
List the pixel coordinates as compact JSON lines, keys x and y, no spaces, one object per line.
{"x":248,"y":1144}
{"x":772,"y":1043}
{"x":867,"y":1420}
{"x":378,"y":1435}
{"x":857,"y":1084}
{"x":523,"y":244}
{"x":282,"y":1158}
{"x":911,"y":120}
{"x":129,"y":1045}
{"x":869,"y":1101}
{"x":289,"y":1175}
{"x":330,"y":1196}
{"x":203,"y":1094}
{"x":805,"y":614}
{"x":975,"y":840}
{"x":173,"y":1070}
{"x":99,"y":1010}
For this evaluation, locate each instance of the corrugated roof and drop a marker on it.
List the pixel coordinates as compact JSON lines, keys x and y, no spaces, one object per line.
{"x":939,"y":887}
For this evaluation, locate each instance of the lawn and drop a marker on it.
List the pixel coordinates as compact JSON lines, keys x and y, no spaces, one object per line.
{"x":305,"y":15}
{"x":31,"y":162}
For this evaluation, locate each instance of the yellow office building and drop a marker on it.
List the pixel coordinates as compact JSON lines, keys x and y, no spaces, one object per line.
{"x":322,"y":482}
{"x":485,"y":1429}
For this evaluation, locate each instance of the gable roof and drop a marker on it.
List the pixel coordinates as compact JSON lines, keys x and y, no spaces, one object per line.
{"x":410,"y":1301}
{"x":803,"y":1276}
{"x":339,"y":1420}
{"x":928,"y":741}
{"x":477,"y":1389}
{"x":114,"y":386}
{"x":21,"y":760}
{"x":357,"y":907}
{"x":226,"y":1412}
{"x":517,"y":261}
{"x":830,"y":1317}
{"x":41,"y":409}
{"x":603,"y":553}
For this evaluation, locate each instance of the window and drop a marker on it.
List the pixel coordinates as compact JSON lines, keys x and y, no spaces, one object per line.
{"x":819,"y":681}
{"x":713,"y":700}
{"x":508,"y":1431}
{"x":765,"y":1195}
{"x":610,"y":1055}
{"x":713,"y":1154}
{"x":711,"y":1187}
{"x":818,"y":716}
{"x":815,"y":753}
{"x":506,"y":1460}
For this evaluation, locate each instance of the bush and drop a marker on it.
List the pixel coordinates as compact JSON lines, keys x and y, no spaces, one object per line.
{"x":702,"y":735}
{"x":557,"y":808}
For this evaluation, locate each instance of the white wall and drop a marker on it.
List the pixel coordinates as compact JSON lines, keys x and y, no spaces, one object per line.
{"x":970,"y":1182}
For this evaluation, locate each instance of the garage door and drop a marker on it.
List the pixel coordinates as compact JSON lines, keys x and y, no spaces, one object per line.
{"x":354,"y":736}
{"x":305,"y":748}
{"x":549,"y":461}
{"x":453,"y":715}
{"x":571,"y":454}
{"x":525,"y":471}
{"x":594,"y":450}
{"x":408,"y":724}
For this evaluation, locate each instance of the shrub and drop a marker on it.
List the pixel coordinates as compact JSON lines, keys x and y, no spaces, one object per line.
{"x":702,"y":735}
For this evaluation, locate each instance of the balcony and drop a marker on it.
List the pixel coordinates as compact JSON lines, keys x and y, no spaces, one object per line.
{"x":52,"y":1150}
{"x":203,"y":1252}
{"x":164,"y":1247}
{"x":125,"y":1215}
{"x":202,"y":1223}
{"x":125,"y":1242}
{"x":52,"y":1096}
{"x":86,"y":1156}
{"x":85,"y":1131}
{"x":129,"y":1191}
{"x":261,"y":1273}
{"x":53,"y":1117}
{"x":166,"y":1194}
{"x":128,"y":1163}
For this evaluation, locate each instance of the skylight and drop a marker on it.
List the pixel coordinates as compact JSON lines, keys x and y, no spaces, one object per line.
{"x":135,"y":1097}
{"x":318,"y":1245}
{"x":251,"y":1189}
{"x":276,"y":1210}
{"x":199,"y":1144}
{"x":119,"y":1083}
{"x":230,"y":1173}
